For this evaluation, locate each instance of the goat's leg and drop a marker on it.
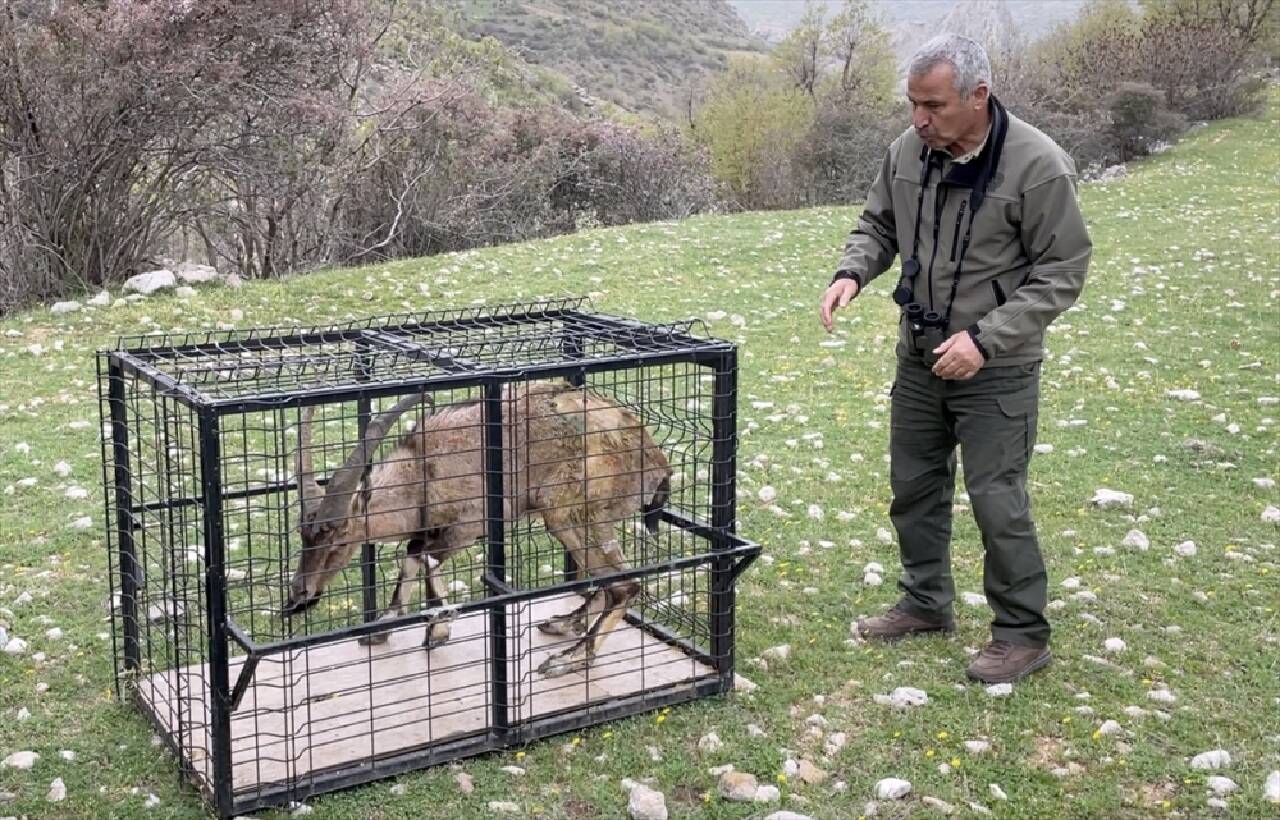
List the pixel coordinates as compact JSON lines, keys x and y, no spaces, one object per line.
{"x":603,"y":609}
{"x":439,"y":627}
{"x":410,"y":566}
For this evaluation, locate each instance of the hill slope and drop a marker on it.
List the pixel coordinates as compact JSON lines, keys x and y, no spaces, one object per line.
{"x":638,"y":54}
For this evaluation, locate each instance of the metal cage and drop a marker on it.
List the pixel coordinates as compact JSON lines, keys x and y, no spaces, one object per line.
{"x":203,"y":507}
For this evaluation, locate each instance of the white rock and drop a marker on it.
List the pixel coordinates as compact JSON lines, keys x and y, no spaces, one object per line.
{"x":973,"y":599}
{"x":151,"y":802}
{"x":198,"y":274}
{"x":996,"y":791}
{"x":835,"y":742}
{"x":62,"y":468}
{"x":65,"y":307}
{"x":938,"y":804}
{"x":15,"y":646}
{"x":777,"y":653}
{"x":1115,"y":645}
{"x":1271,"y":789}
{"x":739,"y":787}
{"x":1138,"y":539}
{"x":872,"y":579}
{"x":68,"y":755}
{"x":150,"y":282}
{"x":1110,"y":727}
{"x":302,"y":810}
{"x":767,"y":794}
{"x":1186,"y":549}
{"x":184,"y":292}
{"x":906,"y":696}
{"x":787,"y":815}
{"x":976,"y":747}
{"x":1221,"y":785}
{"x":1271,"y":514}
{"x":1162,"y":696}
{"x":1264,"y":483}
{"x":767,"y":494}
{"x":755,"y":731}
{"x":1216,"y":759}
{"x":102,"y":299}
{"x":465,"y":784}
{"x":646,"y":804}
{"x":20,"y":760}
{"x":999,"y":690}
{"x":514,"y":771}
{"x":1183,"y":394}
{"x":741,"y":684}
{"x":77,"y":493}
{"x":978,"y":808}
{"x":891,"y":788}
{"x":1043,"y":449}
{"x":504,"y":807}
{"x":710,"y":742}
{"x":1104,"y":498}
{"x":57,"y":791}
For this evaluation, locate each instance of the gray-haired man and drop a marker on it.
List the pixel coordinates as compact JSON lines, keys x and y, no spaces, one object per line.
{"x":982,"y":207}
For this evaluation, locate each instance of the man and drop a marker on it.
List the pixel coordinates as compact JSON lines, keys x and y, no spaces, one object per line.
{"x":982,"y":207}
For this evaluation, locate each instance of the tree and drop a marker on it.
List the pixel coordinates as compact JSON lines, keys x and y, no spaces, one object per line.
{"x":801,"y":52}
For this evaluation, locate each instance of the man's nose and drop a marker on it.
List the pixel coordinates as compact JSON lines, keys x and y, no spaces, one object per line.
{"x":919,"y":118}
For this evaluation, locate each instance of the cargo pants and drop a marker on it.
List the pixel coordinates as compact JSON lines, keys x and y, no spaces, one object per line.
{"x":992,"y":418}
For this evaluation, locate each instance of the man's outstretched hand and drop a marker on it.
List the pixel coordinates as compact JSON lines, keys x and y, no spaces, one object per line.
{"x":837,"y":296}
{"x":958,"y":357}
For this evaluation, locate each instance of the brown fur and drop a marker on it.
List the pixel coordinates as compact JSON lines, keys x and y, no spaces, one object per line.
{"x":576,"y":460}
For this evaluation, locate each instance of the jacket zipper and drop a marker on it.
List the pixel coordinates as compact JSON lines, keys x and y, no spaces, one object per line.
{"x":955,"y":239}
{"x":999,"y":293}
{"x":940,"y":202}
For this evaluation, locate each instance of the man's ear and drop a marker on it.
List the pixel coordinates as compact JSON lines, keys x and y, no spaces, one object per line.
{"x":980,"y":95}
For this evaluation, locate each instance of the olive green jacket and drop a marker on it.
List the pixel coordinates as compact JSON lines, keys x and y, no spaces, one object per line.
{"x":1029,"y":248}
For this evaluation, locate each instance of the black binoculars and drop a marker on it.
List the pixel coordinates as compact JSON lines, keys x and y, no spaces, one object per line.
{"x":926,"y":329}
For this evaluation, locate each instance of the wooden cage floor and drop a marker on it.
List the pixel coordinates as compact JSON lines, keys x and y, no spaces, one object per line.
{"x":313,"y":709}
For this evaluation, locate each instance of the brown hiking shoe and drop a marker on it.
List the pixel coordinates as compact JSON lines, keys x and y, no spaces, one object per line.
{"x":1005,"y":662}
{"x":895,"y":625}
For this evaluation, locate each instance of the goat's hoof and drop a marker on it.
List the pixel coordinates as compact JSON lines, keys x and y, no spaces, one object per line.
{"x":437,"y":635}
{"x":562,"y":626}
{"x":557,"y":665}
{"x":374,"y":639}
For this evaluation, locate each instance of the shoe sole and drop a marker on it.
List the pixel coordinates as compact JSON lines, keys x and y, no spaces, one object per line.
{"x":894,"y":638}
{"x":1035,"y":666}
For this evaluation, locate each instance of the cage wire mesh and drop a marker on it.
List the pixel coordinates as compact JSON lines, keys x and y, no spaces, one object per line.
{"x":340,"y":553}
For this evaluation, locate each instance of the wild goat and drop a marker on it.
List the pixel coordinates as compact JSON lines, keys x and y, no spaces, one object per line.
{"x":576,"y":460}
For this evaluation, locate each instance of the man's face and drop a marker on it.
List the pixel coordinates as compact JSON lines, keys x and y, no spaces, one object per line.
{"x":938,"y":112}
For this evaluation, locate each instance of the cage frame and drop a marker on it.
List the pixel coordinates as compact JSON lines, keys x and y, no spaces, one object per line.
{"x":726,"y":555}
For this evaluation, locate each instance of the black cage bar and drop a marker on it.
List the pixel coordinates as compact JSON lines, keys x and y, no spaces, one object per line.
{"x":541,"y":537}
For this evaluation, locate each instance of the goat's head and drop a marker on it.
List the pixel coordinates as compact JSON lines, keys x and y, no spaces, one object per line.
{"x":331,"y":515}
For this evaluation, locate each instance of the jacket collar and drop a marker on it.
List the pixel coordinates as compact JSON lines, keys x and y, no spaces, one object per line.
{"x":977,"y":173}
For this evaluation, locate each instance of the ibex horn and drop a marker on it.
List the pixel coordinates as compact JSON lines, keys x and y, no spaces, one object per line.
{"x":345,"y":479}
{"x":308,"y":489}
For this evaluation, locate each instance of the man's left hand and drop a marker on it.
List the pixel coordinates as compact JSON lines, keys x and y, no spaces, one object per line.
{"x":958,"y":358}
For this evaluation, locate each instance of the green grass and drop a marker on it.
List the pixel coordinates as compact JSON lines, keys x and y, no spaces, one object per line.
{"x":1188,"y":244}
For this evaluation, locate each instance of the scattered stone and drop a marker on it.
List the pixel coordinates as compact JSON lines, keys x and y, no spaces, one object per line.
{"x":787,"y":815}
{"x":1271,"y":515}
{"x":515,"y":771}
{"x":465,"y":783}
{"x":996,"y":791}
{"x":102,"y":299}
{"x":739,"y":787}
{"x":57,"y":791}
{"x":65,"y":307}
{"x":891,"y":788}
{"x":1186,"y":549}
{"x":906,"y":696}
{"x":741,"y":684}
{"x":20,"y":760}
{"x":977,"y":747}
{"x":1138,"y":539}
{"x":1183,"y":394}
{"x":1271,"y":788}
{"x":504,"y":807}
{"x":198,"y":274}
{"x":767,"y":794}
{"x":710,"y":743}
{"x":1115,"y":645}
{"x":811,"y":774}
{"x":1110,"y":727}
{"x":645,"y":803}
{"x":1104,"y":498}
{"x":1216,"y":759}
{"x":150,"y":282}
{"x":151,"y":802}
{"x":999,"y":690}
{"x":939,"y":804}
{"x":1221,"y":786}
{"x":777,"y":653}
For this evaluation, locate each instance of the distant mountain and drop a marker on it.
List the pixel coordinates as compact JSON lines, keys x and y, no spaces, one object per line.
{"x":992,"y":22}
{"x":642,"y":55}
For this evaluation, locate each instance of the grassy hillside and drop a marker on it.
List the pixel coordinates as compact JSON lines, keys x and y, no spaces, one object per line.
{"x":1182,"y":296}
{"x":640,"y":55}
